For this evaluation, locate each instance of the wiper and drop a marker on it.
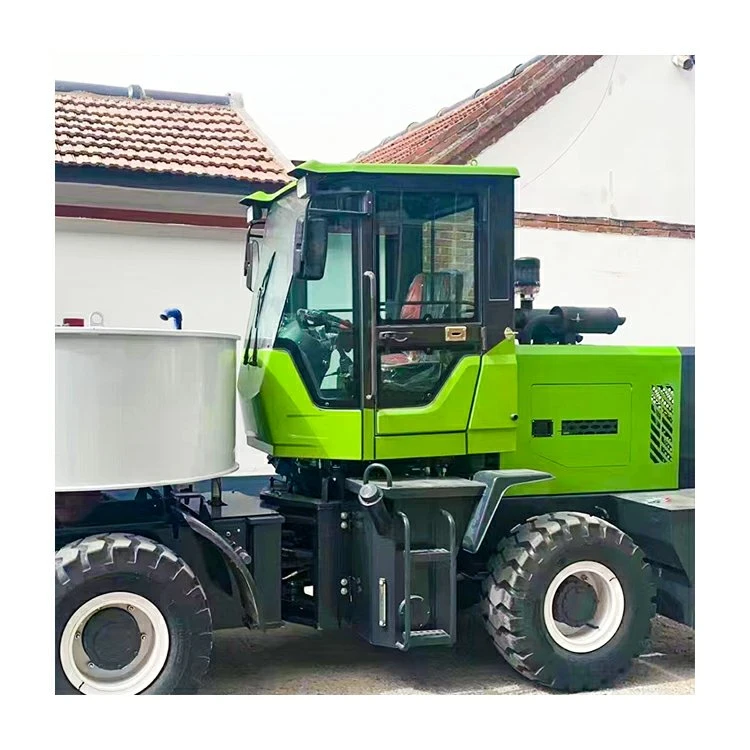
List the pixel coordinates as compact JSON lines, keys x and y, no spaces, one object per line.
{"x":258,"y":307}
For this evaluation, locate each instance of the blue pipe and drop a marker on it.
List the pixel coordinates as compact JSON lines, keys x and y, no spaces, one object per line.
{"x":175,"y":314}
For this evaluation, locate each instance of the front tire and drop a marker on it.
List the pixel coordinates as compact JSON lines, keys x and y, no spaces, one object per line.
{"x":569,"y":601}
{"x":130,"y":617}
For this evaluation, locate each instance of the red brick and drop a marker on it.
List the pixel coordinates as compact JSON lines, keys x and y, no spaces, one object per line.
{"x":490,"y":115}
{"x":159,"y":135}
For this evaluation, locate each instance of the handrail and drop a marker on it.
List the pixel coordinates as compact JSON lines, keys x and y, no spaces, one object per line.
{"x":453,"y":571}
{"x":404,"y":645}
{"x":370,"y":276}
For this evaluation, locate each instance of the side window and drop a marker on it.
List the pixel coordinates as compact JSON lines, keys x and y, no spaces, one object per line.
{"x":318,"y":327}
{"x":426,"y":260}
{"x":414,"y":378}
{"x":426,"y":245}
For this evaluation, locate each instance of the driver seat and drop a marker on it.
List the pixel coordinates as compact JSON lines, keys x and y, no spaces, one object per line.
{"x":446,"y":287}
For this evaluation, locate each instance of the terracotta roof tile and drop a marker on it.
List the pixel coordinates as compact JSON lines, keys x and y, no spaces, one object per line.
{"x":460,"y":132}
{"x":159,"y":135}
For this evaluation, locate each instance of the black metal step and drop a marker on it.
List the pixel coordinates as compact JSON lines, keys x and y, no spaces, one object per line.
{"x":430,"y":555}
{"x":443,"y":593}
{"x":429,"y":638}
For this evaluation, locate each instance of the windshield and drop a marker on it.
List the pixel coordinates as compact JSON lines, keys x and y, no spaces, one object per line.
{"x":275,"y":271}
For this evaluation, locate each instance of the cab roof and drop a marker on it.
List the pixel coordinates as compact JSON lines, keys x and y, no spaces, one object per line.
{"x":316,"y":167}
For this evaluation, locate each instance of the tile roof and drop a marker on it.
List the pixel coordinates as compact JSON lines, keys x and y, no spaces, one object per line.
{"x":460,"y":132}
{"x":187,"y":134}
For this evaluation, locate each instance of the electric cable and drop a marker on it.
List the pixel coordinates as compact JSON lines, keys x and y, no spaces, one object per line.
{"x":583,"y":130}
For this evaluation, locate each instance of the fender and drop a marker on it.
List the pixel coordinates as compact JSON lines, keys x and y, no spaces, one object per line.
{"x":497,"y":484}
{"x":233,"y":556}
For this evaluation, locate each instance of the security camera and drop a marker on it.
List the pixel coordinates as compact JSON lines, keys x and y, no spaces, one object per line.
{"x":684,"y":62}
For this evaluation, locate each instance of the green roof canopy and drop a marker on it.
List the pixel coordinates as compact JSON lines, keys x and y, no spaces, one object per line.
{"x":315,"y":167}
{"x":261,"y":197}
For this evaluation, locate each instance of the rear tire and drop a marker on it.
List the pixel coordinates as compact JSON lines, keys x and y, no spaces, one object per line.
{"x":569,"y":601}
{"x":130,"y":617}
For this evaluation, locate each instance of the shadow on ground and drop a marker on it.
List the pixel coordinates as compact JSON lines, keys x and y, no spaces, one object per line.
{"x":299,"y":660}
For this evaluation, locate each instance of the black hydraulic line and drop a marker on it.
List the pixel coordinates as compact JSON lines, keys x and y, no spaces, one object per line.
{"x":531,"y":329}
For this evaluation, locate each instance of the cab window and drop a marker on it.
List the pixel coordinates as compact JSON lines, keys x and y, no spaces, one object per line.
{"x":319,"y":325}
{"x":427,"y":256}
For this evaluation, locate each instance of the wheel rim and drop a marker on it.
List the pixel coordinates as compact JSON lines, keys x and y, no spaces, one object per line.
{"x":92,"y":678}
{"x":607,"y":615}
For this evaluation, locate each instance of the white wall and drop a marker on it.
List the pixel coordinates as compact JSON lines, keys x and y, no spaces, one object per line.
{"x":131,"y":272}
{"x":634,"y":160}
{"x":648,"y":280}
{"x":111,"y":196}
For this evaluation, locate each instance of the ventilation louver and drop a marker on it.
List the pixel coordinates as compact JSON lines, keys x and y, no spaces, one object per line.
{"x":589,"y":427}
{"x":662,"y":423}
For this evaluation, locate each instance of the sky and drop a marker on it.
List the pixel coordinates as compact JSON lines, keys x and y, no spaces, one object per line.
{"x":327,"y":108}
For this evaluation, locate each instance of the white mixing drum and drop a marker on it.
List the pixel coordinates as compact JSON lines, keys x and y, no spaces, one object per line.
{"x":138,"y":408}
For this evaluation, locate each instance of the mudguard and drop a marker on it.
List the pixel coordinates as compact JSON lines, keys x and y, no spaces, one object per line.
{"x":253,"y":617}
{"x":497,"y":482}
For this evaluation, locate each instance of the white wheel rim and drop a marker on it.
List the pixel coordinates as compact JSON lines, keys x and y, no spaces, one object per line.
{"x":607,"y":618}
{"x":133,"y":678}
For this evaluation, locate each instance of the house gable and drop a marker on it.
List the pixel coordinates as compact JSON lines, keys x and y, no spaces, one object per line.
{"x":619,"y":142}
{"x":158,"y":157}
{"x":459,"y":132}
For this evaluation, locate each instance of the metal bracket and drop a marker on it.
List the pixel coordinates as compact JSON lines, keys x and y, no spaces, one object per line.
{"x":245,"y":583}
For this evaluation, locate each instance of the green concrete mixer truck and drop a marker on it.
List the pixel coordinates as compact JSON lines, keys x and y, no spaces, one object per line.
{"x":435,"y":445}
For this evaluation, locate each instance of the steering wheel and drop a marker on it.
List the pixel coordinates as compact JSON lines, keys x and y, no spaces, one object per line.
{"x":331,"y":323}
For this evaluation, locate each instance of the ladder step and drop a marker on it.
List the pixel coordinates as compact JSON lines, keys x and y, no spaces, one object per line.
{"x":430,"y":555}
{"x":430,"y":638}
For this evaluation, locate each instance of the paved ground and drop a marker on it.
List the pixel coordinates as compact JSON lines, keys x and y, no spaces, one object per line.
{"x":299,"y":660}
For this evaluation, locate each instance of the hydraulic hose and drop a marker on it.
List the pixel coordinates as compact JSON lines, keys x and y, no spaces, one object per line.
{"x":532,"y":328}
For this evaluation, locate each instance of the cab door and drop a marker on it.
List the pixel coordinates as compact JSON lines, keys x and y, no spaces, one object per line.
{"x":424,"y":336}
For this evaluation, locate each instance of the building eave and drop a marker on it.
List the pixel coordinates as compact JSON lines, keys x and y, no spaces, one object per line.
{"x":160,"y":180}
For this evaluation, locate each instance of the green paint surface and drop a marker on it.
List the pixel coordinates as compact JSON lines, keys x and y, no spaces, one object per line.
{"x":408,"y":446}
{"x":584,"y":402}
{"x":473,"y":414}
{"x":279,"y":411}
{"x":593,"y":382}
{"x":261,"y":197}
{"x":491,"y":426}
{"x":317,"y":167}
{"x":368,"y":435}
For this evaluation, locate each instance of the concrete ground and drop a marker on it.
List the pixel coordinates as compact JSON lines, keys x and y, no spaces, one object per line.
{"x":299,"y":660}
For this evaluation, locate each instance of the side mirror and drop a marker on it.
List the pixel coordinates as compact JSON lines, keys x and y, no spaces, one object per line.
{"x":314,"y":249}
{"x":252,"y":258}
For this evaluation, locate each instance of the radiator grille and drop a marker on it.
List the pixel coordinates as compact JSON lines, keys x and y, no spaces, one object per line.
{"x":662,"y":423}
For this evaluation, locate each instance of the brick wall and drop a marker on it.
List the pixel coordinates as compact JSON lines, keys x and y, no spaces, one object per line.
{"x":605,"y":225}
{"x":454,"y":247}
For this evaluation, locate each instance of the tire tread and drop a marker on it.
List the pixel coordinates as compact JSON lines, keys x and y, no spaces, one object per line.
{"x":77,"y":559}
{"x":519,"y":557}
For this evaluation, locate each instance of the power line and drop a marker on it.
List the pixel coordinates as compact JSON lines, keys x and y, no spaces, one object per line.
{"x":583,"y":130}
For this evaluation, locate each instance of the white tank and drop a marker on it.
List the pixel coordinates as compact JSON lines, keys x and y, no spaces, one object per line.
{"x":137,"y":408}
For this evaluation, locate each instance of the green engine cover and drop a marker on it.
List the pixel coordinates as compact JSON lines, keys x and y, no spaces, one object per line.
{"x":599,"y":418}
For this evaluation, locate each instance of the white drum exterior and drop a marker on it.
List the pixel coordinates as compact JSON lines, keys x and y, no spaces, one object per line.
{"x":139,"y":408}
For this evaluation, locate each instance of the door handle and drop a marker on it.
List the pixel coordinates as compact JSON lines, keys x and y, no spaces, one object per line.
{"x":370,"y":276}
{"x":398,"y":336}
